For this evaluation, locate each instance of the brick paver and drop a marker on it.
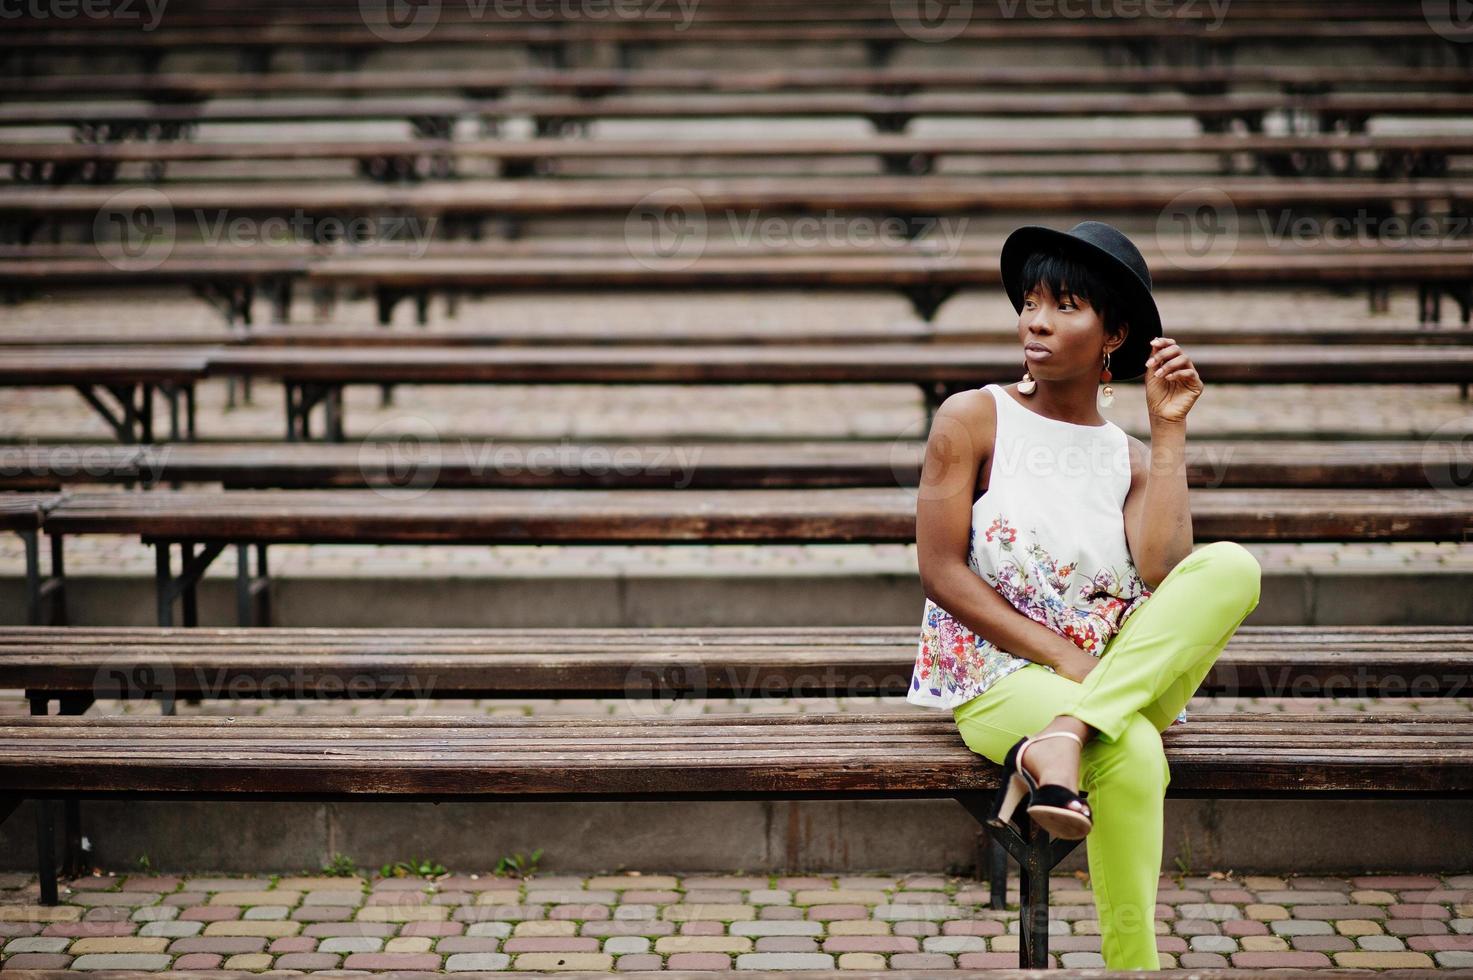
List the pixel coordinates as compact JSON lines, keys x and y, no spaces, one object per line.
{"x":725,"y":922}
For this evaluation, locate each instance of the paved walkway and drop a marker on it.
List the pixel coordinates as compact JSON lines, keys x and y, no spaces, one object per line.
{"x":634,"y":922}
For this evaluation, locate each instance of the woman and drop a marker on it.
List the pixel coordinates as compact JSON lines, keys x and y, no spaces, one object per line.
{"x":1064,"y":598}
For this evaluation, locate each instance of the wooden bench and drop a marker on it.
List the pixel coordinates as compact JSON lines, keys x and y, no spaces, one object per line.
{"x":80,"y":665}
{"x":435,"y":116}
{"x":130,"y":376}
{"x":490,"y":464}
{"x":22,"y":514}
{"x":202,"y":524}
{"x":899,"y":79}
{"x":314,"y":376}
{"x":1135,"y":39}
{"x":638,"y":335}
{"x":1306,"y":155}
{"x":850,"y":756}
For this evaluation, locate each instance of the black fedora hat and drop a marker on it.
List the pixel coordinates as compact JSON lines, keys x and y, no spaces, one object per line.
{"x":1105,"y":248}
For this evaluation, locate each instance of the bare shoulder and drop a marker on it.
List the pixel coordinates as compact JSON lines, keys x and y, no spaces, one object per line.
{"x":1140,"y":458}
{"x":969,"y":415}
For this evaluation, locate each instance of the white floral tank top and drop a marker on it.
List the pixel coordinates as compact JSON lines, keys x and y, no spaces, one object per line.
{"x":1049,"y":535}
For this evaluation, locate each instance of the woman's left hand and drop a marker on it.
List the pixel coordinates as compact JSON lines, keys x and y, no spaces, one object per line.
{"x":1172,"y":382}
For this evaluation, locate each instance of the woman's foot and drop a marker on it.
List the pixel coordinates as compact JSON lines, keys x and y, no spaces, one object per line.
{"x":1056,"y":760}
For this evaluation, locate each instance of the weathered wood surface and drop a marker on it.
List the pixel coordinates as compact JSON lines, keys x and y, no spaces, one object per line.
{"x":958,"y":364}
{"x":573,"y":335}
{"x":102,"y":662}
{"x":616,"y":149}
{"x":25,"y":511}
{"x":843,"y":514}
{"x":205,"y":85}
{"x":846,"y":194}
{"x":855,"y":755}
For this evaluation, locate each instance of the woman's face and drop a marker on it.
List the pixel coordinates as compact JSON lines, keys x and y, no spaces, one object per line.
{"x":1061,"y":336}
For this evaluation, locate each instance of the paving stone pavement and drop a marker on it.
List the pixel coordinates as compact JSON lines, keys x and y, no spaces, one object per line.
{"x":631,"y":921}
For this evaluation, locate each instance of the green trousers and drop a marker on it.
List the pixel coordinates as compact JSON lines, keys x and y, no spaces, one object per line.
{"x":1147,"y":673}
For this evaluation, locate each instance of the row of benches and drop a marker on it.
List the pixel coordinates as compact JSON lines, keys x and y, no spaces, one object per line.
{"x":68,"y":758}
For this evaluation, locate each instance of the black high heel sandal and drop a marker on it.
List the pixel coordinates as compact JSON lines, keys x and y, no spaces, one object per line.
{"x":1056,"y":809}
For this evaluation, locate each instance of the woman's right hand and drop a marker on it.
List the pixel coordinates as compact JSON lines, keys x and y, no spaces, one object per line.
{"x":1072,"y":662}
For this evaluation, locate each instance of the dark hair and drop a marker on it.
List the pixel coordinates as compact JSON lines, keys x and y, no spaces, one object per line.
{"x":1055,"y":270}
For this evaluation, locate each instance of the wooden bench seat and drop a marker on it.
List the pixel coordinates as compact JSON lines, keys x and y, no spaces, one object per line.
{"x":314,"y":376}
{"x":1407,"y":155}
{"x":494,"y":464}
{"x":434,"y":116}
{"x":202,"y":524}
{"x":201,"y":85}
{"x":933,"y":195}
{"x":465,"y":334}
{"x":1357,"y":755}
{"x":82,"y":664}
{"x":120,"y":383}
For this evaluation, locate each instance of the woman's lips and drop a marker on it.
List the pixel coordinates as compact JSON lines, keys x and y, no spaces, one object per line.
{"x":1037,"y":353}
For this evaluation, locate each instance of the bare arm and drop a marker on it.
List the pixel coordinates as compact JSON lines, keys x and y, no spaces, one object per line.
{"x":1158,"y":514}
{"x":960,"y":442}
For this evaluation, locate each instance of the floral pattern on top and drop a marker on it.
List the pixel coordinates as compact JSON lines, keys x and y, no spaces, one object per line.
{"x":953,"y":662}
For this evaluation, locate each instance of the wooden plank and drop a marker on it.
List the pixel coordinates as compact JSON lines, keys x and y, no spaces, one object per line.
{"x":25,"y":511}
{"x":844,"y":755}
{"x":575,"y":335}
{"x":203,"y":85}
{"x":727,"y":199}
{"x":665,"y":663}
{"x":460,"y":35}
{"x":958,"y":364}
{"x":105,"y":365}
{"x":483,"y":464}
{"x":838,"y":515}
{"x":725,"y":149}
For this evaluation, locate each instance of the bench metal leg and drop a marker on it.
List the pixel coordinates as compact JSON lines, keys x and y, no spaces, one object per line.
{"x":1037,"y":854}
{"x":132,"y":418}
{"x":46,"y":850}
{"x":45,"y":834}
{"x":301,"y":398}
{"x":252,"y":592}
{"x":45,"y":593}
{"x":168,"y":588}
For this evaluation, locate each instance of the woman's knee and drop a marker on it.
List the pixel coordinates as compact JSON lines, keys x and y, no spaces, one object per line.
{"x":1136,"y":758}
{"x":1235,"y":571}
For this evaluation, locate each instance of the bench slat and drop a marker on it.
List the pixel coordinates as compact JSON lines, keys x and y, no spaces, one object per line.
{"x":842,"y":514}
{"x":1276,"y":661}
{"x":487,"y":758}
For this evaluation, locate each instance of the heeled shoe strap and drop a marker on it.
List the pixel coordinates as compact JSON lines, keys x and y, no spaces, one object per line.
{"x":1034,"y":738}
{"x":1057,"y":796}
{"x":1022,"y":747}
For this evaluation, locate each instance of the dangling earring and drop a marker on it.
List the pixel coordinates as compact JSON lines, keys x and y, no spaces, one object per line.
{"x":1026,"y":386}
{"x":1107,"y":394}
